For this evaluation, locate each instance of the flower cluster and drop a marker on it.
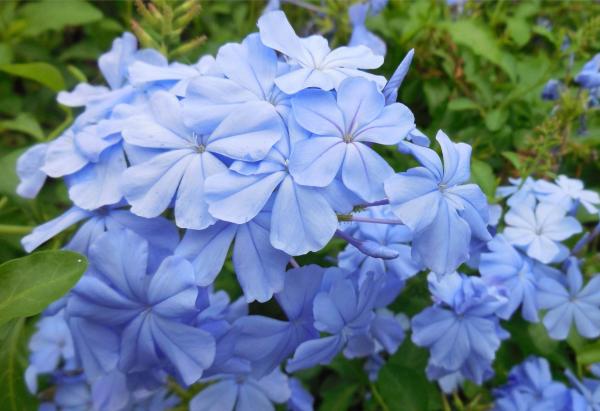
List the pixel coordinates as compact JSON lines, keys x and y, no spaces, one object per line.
{"x":260,"y":154}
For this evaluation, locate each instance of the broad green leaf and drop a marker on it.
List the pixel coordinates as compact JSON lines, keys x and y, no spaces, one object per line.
{"x":25,"y":123}
{"x":518,"y":29}
{"x":482,"y":41}
{"x":403,"y":388}
{"x":462,"y":104}
{"x":495,"y":119}
{"x":43,"y":73}
{"x":6,"y":54}
{"x":55,"y":15}
{"x":29,"y":284}
{"x":482,"y":174}
{"x":13,"y":358}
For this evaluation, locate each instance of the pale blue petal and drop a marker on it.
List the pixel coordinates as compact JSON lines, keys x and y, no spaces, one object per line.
{"x":220,"y":396}
{"x":49,"y":229}
{"x":391,"y":126}
{"x":390,"y":91}
{"x":113,"y":64}
{"x":62,"y":157}
{"x":97,"y":347}
{"x":302,"y":219}
{"x":316,"y":161}
{"x":238,"y":198}
{"x":318,"y":112}
{"x":360,"y":102}
{"x":364,"y":172}
{"x":277,"y":33}
{"x":31,"y":177}
{"x":314,"y":352}
{"x":457,"y":157}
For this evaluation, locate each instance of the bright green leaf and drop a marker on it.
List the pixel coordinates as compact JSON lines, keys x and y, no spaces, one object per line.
{"x":513,"y":158}
{"x":29,"y":284}
{"x":55,"y":15}
{"x":495,"y":119}
{"x":589,"y":354}
{"x":25,"y":123}
{"x":519,"y":31}
{"x":13,"y":351}
{"x":482,"y":174}
{"x":43,"y":73}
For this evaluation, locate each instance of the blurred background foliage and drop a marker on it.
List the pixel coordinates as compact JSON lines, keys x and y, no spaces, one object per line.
{"x":478,"y":73}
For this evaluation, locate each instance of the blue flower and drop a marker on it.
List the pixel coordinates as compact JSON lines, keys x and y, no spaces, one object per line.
{"x":242,"y":83}
{"x":589,"y":76}
{"x":51,"y":346}
{"x":360,"y":34}
{"x":567,"y":301}
{"x":300,"y":398}
{"x":343,"y":309}
{"x":243,"y":393}
{"x":313,"y":63}
{"x":442,"y":212}
{"x":461,"y":330}
{"x":161,"y":234}
{"x":552,"y":90}
{"x":258,"y":265}
{"x":302,"y":217}
{"x":187,"y":158}
{"x":31,"y":178}
{"x":518,"y":191}
{"x":390,"y":91}
{"x":538,"y":231}
{"x":508,"y":270}
{"x":152,"y":313}
{"x":265,"y":341}
{"x":342,"y":129}
{"x":567,"y":192}
{"x":530,"y":387}
{"x":72,"y":394}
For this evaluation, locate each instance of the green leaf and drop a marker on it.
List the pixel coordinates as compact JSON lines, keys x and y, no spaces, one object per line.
{"x":518,"y":29}
{"x":513,"y":158}
{"x":338,"y":398}
{"x":482,"y":41}
{"x":43,"y":73}
{"x":25,"y":123}
{"x":29,"y":284}
{"x":6,"y":54}
{"x":462,"y":104}
{"x":482,"y":174}
{"x":55,"y":15}
{"x":13,"y":358}
{"x":589,"y":354}
{"x":495,"y":119}
{"x":402,"y":388}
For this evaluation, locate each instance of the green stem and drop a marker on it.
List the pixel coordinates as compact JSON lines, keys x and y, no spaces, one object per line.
{"x":14,"y":229}
{"x":378,"y":398}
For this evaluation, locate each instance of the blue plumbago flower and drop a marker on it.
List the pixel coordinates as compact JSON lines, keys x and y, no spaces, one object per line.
{"x":377,"y":6}
{"x":300,"y":398}
{"x":586,"y":394}
{"x":341,"y":131}
{"x":161,"y":234}
{"x":518,"y":191}
{"x":390,"y":91}
{"x":530,"y":387}
{"x":243,"y":83}
{"x":71,"y":394}
{"x":302,"y":217}
{"x":442,"y":212}
{"x":567,"y":192}
{"x":551,"y":90}
{"x":259,"y":267}
{"x":31,"y":178}
{"x":539,"y":229}
{"x":395,"y":271}
{"x":567,"y":301}
{"x":462,"y":329}
{"x":152,"y":313}
{"x":313,"y":63}
{"x":50,"y":347}
{"x":360,"y":34}
{"x":343,"y":309}
{"x":188,"y":158}
{"x":265,"y":341}
{"x":243,"y":393}
{"x":508,"y":270}
{"x":589,"y":76}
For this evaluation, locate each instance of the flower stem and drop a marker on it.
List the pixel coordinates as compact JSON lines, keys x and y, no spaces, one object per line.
{"x":373,"y":204}
{"x":294,"y":263}
{"x":14,"y":229}
{"x":361,"y":219}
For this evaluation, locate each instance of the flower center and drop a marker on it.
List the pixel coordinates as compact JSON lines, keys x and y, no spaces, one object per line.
{"x":348,"y":138}
{"x":200,"y":148}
